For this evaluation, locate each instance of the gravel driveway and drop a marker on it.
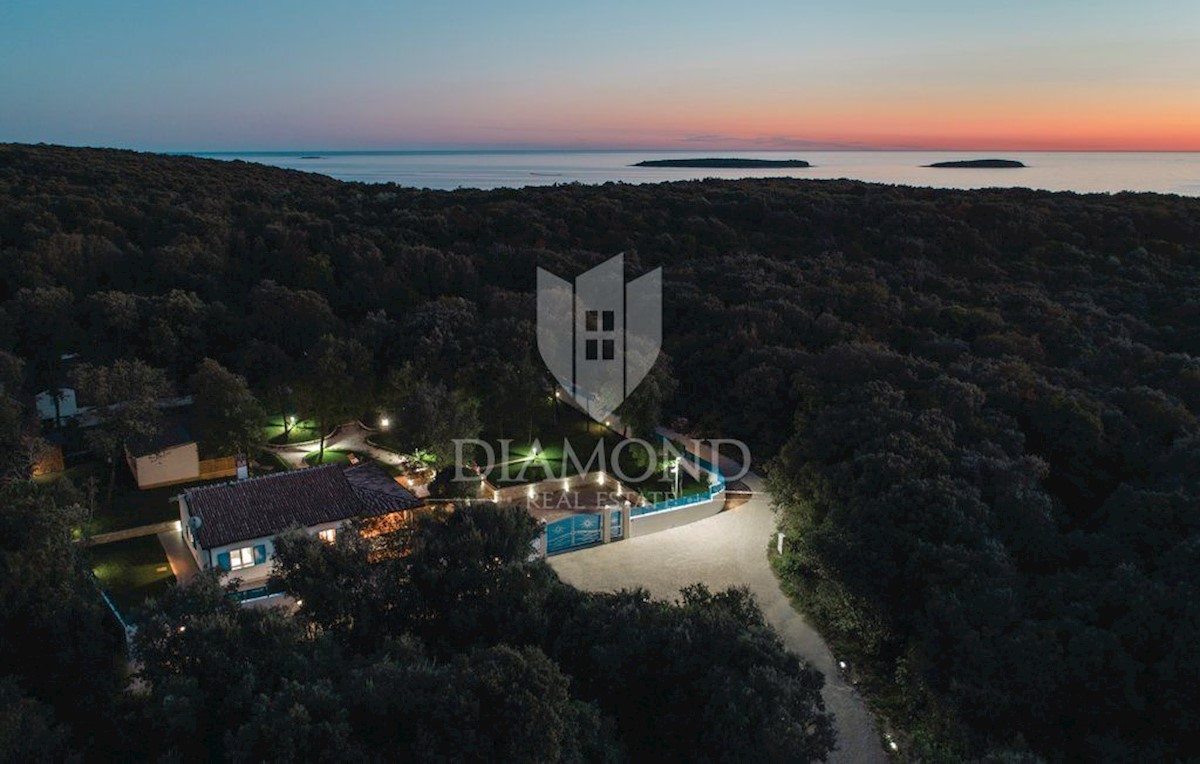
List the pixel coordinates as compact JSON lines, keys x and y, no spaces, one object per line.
{"x":729,"y":549}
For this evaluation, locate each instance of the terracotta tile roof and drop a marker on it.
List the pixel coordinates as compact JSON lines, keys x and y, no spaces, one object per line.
{"x":265,"y":506}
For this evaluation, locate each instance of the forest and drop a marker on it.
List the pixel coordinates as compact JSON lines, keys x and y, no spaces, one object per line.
{"x":976,"y":411}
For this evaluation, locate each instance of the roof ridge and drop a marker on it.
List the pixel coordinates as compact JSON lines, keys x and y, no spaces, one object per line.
{"x":259,"y":478}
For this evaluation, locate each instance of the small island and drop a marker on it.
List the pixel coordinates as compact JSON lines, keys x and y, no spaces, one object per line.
{"x":980,"y":163}
{"x":722,"y":162}
{"x":312,"y":157}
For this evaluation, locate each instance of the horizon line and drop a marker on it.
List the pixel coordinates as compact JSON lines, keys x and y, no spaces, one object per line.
{"x":501,"y":149}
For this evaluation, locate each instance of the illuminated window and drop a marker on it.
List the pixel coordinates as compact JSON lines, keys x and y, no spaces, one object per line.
{"x":329,"y":535}
{"x":241,"y":558}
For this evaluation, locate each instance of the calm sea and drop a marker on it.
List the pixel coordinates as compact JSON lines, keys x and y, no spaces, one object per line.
{"x":1056,"y":171}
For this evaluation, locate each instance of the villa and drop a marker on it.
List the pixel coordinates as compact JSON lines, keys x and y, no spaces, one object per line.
{"x":232,"y":526}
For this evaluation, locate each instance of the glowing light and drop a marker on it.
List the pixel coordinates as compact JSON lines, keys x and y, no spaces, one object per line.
{"x":385,"y":423}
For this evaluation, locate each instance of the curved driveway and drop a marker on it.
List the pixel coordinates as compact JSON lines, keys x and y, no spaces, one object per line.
{"x":728,"y":549}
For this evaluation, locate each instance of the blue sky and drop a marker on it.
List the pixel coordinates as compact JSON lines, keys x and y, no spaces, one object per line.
{"x":859,"y":73}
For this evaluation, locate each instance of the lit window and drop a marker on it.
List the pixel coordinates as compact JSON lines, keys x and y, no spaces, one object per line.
{"x":241,"y":558}
{"x":328,"y":535}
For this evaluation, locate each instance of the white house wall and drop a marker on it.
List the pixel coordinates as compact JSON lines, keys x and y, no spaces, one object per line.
{"x":177,"y":464}
{"x":256,"y":574}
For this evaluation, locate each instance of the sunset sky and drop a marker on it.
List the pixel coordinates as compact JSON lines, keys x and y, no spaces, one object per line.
{"x":953,"y":74}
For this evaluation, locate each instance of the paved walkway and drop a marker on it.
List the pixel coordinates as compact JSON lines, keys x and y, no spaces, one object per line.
{"x":728,"y":549}
{"x":131,"y":533}
{"x":351,"y":436}
{"x":183,"y":565}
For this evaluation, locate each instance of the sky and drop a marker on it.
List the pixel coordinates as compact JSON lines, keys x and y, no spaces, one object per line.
{"x":754,"y":74}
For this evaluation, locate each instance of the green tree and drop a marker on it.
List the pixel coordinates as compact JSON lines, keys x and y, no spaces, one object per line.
{"x":29,"y":730}
{"x":641,"y":412}
{"x":55,"y":631}
{"x":45,"y":331}
{"x":340,"y":588}
{"x":228,"y":416}
{"x":429,"y":416}
{"x":126,"y":396}
{"x":336,"y":384}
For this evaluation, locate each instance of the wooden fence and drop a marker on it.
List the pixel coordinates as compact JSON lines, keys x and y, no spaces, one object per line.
{"x":222,"y":466}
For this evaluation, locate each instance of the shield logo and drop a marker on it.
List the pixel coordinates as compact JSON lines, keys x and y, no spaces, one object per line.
{"x":599,"y":336}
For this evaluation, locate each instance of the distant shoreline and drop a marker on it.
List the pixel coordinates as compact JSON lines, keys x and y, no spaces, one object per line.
{"x":722,"y":162}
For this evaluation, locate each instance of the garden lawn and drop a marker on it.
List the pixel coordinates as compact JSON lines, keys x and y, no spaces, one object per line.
{"x":132,"y":507}
{"x":330,"y":457}
{"x":300,"y":432}
{"x":131,"y":570}
{"x":550,"y":430}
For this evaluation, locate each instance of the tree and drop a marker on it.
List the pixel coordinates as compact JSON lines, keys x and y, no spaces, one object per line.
{"x":641,"y":412}
{"x":336,"y":383}
{"x":341,"y":589}
{"x":126,"y":397}
{"x":55,"y":632}
{"x":734,"y":688}
{"x":28,"y":729}
{"x":430,"y":416}
{"x":228,"y":418}
{"x":45,"y":332}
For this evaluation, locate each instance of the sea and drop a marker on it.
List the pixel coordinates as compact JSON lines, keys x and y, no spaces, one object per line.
{"x":1090,"y":172}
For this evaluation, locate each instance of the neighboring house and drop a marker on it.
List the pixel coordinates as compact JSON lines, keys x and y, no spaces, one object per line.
{"x":170,"y":458}
{"x":173,"y":457}
{"x":68,"y":405}
{"x":233,"y":526}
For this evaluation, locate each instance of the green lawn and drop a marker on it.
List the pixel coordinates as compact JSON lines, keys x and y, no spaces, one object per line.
{"x":131,"y":570}
{"x":330,"y":457}
{"x":131,"y":507}
{"x":300,"y":432}
{"x":550,"y":429}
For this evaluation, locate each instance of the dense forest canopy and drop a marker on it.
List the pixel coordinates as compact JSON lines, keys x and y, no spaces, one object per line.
{"x":977,"y":409}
